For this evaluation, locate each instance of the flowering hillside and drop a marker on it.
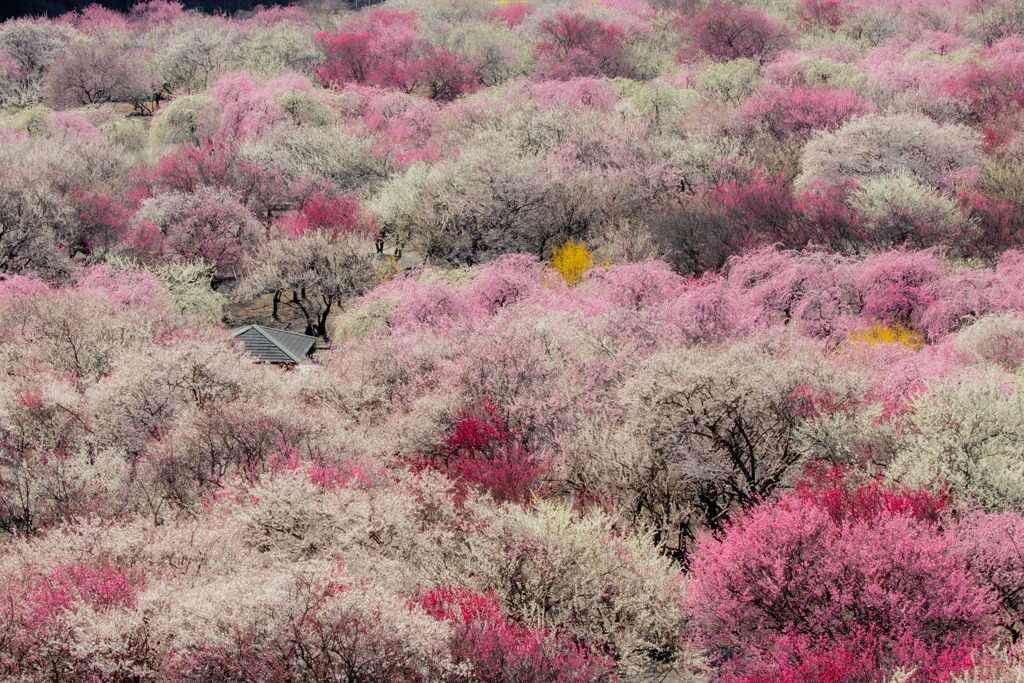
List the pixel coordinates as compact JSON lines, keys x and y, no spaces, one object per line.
{"x":678,"y":341}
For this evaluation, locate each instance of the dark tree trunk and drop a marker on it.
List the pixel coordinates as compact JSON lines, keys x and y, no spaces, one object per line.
{"x":322,"y":319}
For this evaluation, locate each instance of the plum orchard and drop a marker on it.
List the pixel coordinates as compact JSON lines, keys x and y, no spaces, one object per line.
{"x":711,"y":370}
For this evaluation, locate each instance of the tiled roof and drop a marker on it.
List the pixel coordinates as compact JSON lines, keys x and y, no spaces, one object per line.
{"x":274,"y":346}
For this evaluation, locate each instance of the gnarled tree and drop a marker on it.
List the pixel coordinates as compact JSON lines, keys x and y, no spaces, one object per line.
{"x":319,"y":269}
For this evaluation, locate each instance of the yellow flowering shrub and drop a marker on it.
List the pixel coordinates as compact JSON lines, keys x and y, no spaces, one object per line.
{"x":880,"y":333}
{"x":572,"y":259}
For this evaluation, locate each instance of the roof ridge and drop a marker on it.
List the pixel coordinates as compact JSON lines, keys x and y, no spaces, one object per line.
{"x":278,"y":329}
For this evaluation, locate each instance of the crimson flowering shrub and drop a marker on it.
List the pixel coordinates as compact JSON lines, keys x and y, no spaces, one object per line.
{"x":513,"y":14}
{"x":847,"y":497}
{"x":446,"y":76}
{"x":217,"y":165}
{"x":827,"y":218}
{"x":331,"y":212}
{"x":480,"y":449}
{"x":498,"y":649}
{"x":847,"y":585}
{"x":376,"y":49}
{"x":383,"y":48}
{"x":98,"y":586}
{"x":575,"y":45}
{"x":795,"y":113}
{"x":728,"y":31}
{"x":739,"y":214}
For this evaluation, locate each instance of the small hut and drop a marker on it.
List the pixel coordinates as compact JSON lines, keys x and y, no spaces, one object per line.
{"x":279,"y":347}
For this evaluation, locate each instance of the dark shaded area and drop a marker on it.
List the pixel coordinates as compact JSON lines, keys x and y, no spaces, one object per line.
{"x":17,"y":8}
